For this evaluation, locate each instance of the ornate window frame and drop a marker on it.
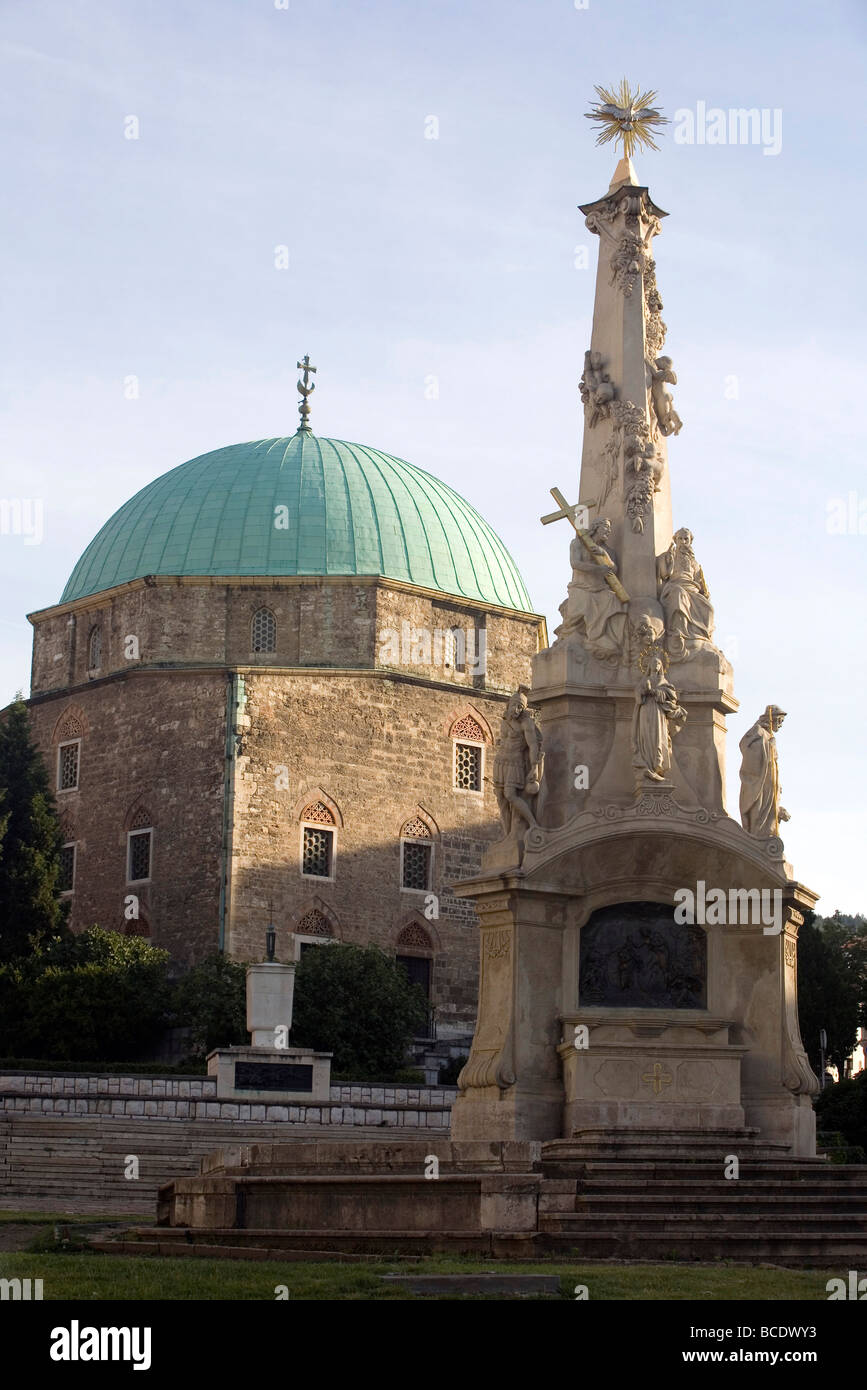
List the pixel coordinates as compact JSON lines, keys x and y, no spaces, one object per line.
{"x":68,"y":743}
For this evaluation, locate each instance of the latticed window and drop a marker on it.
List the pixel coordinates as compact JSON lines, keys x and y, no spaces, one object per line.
{"x":140,"y":855}
{"x":67,"y":766}
{"x":319,"y":812}
{"x":66,"y":878}
{"x":416,"y":865}
{"x":314,"y":923}
{"x":468,"y":767}
{"x":317,"y":851}
{"x":94,"y":655}
{"x":263,"y":631}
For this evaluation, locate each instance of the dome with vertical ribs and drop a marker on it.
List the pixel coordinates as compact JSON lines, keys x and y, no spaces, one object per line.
{"x":302,"y":506}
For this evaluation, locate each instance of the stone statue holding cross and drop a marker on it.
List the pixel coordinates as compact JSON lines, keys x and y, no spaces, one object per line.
{"x":595,"y":606}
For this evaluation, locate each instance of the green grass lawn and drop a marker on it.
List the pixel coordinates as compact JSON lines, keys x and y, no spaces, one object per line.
{"x":120,"y":1277}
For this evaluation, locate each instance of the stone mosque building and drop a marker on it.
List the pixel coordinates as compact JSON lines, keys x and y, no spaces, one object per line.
{"x":270,"y":692}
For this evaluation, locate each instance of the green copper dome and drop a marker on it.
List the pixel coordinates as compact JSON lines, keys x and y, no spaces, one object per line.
{"x":302,"y":505}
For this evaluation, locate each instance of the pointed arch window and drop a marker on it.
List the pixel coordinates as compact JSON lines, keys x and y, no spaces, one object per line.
{"x":416,"y":856}
{"x":318,"y":835}
{"x":313,"y":929}
{"x":94,"y":649}
{"x":468,"y":742}
{"x":263,"y":631}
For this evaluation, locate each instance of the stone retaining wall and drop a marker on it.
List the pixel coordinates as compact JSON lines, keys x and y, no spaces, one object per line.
{"x":195,"y":1098}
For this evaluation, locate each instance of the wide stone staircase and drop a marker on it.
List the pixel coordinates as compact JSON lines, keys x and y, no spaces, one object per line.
{"x":77,"y":1163}
{"x":594,"y":1198}
{"x":645,"y":1207}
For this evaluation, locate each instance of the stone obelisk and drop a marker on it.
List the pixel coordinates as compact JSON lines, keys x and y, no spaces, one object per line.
{"x":687,"y":1025}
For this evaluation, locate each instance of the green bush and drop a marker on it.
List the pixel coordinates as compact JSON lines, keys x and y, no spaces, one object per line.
{"x":99,"y":994}
{"x":357,"y":1002}
{"x":211,"y":999}
{"x":843,"y":1108}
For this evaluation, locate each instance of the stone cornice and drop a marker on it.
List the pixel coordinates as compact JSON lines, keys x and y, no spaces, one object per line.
{"x":187,"y":668}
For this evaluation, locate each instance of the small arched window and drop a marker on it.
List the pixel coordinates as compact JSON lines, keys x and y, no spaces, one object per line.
{"x":317,"y":841}
{"x":416,"y":856}
{"x":263,"y":631}
{"x":94,"y":650}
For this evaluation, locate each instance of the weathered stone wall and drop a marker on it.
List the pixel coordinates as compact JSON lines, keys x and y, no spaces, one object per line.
{"x":338,"y":622}
{"x":380,"y":749}
{"x":376,"y":742}
{"x":150,"y":741}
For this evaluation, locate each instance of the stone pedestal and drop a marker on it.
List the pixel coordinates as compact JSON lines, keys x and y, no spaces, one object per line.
{"x":717,"y":1049}
{"x":270,"y":1070}
{"x":271,"y":1074}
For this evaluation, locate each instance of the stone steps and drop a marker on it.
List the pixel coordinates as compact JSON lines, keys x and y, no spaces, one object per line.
{"x":76,"y":1162}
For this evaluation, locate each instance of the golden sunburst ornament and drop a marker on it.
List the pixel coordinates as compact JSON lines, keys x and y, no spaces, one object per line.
{"x":627,"y":116}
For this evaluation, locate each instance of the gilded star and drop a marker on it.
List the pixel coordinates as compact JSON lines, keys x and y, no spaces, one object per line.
{"x":627,"y":116}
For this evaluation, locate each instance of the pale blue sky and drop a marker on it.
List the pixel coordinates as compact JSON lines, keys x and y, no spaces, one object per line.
{"x":454,"y":258}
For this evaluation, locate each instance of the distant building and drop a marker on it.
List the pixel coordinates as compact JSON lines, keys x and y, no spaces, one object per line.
{"x":269,"y":692}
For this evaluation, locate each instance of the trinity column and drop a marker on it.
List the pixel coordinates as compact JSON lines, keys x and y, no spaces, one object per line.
{"x":690,"y":1025}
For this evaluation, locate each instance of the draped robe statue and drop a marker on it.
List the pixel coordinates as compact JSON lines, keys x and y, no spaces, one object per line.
{"x":656,"y":708}
{"x":761,"y":811}
{"x":592,"y":608}
{"x":683,"y":593}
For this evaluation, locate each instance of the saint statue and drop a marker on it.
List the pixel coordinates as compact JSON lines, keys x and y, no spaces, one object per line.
{"x":518,"y":765}
{"x":684,"y":595}
{"x":592,"y":607}
{"x":657,"y":712}
{"x":761,"y":811}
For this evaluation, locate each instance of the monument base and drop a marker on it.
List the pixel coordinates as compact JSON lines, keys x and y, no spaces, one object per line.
{"x":650,"y":1069}
{"x":271,"y":1074}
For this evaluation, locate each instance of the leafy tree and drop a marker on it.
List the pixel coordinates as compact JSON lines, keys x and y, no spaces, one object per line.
{"x":30,"y":910}
{"x":358,"y":1003}
{"x":844,"y":1108}
{"x":99,"y":996}
{"x":211,"y":999}
{"x":830,"y":989}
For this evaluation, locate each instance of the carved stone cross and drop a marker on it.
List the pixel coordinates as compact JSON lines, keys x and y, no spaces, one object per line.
{"x":577,"y":514}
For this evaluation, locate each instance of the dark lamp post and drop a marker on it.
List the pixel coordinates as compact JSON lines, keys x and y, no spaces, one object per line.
{"x":270,"y":942}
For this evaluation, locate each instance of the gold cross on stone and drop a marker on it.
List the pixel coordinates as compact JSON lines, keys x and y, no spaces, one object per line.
{"x":657,"y":1078}
{"x":578,"y":515}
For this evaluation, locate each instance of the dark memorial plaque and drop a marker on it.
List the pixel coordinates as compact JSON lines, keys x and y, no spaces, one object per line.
{"x":273,"y":1076}
{"x":634,"y":955}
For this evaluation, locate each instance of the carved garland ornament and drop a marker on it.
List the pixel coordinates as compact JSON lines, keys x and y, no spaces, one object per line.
{"x":499,"y":944}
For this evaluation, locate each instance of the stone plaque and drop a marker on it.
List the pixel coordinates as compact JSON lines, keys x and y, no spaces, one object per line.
{"x":273,"y":1076}
{"x":634,"y":955}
